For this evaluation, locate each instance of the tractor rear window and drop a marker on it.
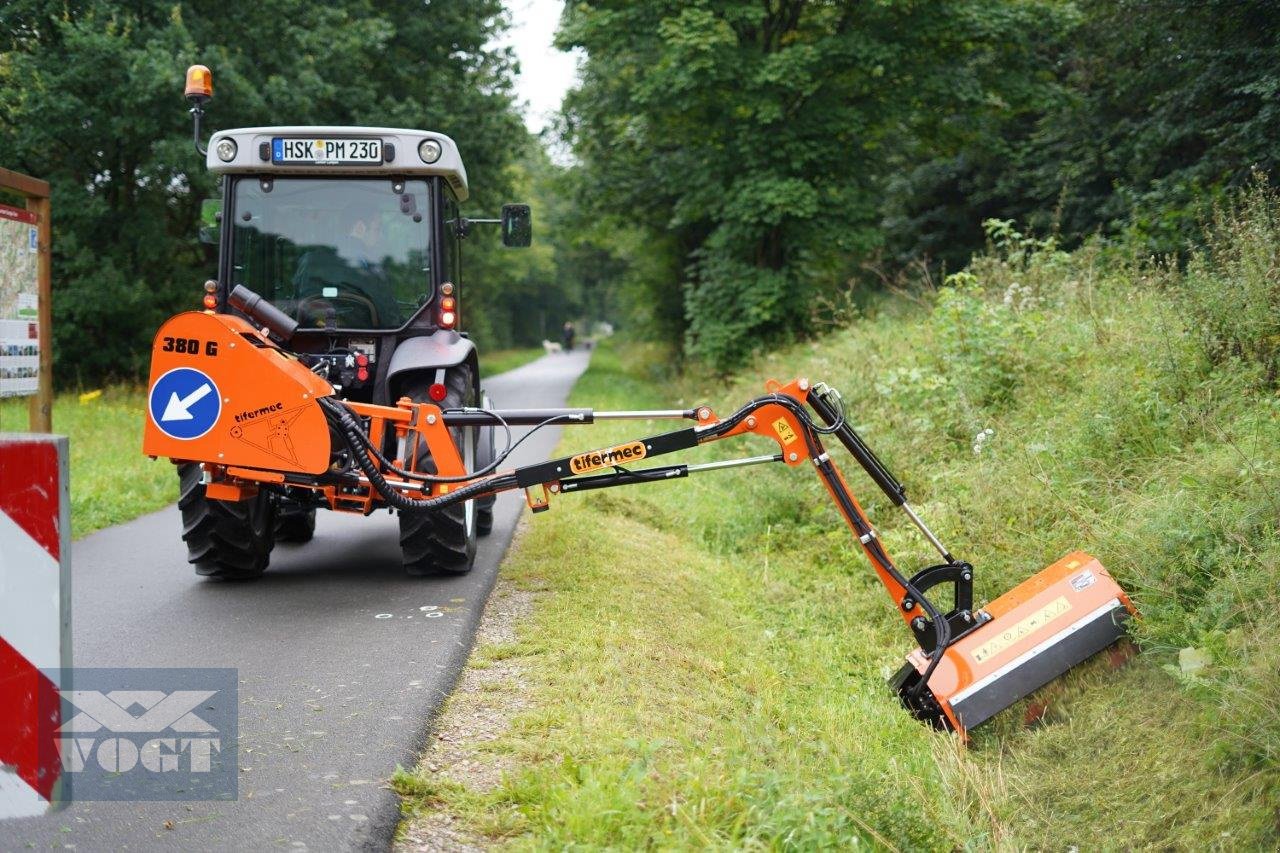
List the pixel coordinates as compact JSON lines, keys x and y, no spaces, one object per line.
{"x":334,"y":253}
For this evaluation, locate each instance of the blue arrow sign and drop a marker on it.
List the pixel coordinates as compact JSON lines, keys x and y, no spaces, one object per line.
{"x":184,"y":403}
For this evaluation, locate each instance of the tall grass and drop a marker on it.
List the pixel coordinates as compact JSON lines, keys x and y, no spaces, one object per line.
{"x":706,"y":662}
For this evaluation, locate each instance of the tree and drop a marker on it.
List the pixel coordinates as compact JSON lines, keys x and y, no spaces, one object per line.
{"x":754,"y":138}
{"x":90,"y":99}
{"x":1153,"y":111}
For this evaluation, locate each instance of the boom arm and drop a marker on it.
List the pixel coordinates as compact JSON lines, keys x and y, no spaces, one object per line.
{"x":226,"y":395}
{"x":781,"y":416}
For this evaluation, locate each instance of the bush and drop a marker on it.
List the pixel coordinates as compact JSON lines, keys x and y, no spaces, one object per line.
{"x":1232,"y":287}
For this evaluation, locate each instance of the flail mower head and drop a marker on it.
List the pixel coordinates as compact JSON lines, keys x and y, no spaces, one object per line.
{"x":1024,"y":639}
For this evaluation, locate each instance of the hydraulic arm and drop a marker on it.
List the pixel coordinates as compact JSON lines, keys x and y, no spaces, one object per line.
{"x":281,"y":427}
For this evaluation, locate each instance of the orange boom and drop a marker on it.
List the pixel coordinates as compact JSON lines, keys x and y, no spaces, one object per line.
{"x":227,"y":395}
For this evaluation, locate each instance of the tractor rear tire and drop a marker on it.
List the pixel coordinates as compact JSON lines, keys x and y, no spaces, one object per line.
{"x":484,"y":515}
{"x":442,"y":540}
{"x":295,"y":524}
{"x":229,"y":541}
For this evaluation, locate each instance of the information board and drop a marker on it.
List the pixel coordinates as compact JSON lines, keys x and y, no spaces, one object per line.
{"x":19,"y":303}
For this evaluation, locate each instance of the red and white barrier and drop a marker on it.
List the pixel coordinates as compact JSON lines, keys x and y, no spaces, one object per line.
{"x":35,"y":618}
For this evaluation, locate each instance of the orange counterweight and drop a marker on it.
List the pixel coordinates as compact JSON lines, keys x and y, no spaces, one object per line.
{"x":222,"y":393}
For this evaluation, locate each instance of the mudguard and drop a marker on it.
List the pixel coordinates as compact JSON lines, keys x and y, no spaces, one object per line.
{"x":441,"y":348}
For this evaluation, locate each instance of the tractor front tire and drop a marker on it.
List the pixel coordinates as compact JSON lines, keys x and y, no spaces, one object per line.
{"x":442,"y":540}
{"x":229,"y":541}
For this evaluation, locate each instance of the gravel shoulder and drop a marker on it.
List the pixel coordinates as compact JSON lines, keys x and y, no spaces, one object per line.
{"x":490,"y":692}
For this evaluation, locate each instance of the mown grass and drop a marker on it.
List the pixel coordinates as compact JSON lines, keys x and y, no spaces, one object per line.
{"x":707,"y":660}
{"x":111,"y":481}
{"x":500,"y":361}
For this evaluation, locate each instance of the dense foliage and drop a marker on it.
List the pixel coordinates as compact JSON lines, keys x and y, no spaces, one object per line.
{"x":738,"y":168}
{"x":769,"y":152}
{"x":91,"y":100}
{"x":1156,"y":110}
{"x":756,"y":135}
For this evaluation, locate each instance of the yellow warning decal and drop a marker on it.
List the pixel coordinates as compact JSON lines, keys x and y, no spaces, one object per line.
{"x":1031,"y":624}
{"x":607,"y":458}
{"x":784,"y":431}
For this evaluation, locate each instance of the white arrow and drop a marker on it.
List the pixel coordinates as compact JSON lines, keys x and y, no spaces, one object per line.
{"x":178,"y":409}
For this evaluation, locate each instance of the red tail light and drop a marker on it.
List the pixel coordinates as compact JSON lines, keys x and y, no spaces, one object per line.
{"x":437,"y":392}
{"x":448,"y":306}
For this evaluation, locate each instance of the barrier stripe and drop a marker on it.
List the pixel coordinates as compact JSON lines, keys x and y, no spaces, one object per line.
{"x":29,"y":492}
{"x":30,"y":700}
{"x":34,"y":620}
{"x":30,"y":582}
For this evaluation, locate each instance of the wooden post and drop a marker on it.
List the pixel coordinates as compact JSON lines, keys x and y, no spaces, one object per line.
{"x":40,"y":406}
{"x":40,"y":412}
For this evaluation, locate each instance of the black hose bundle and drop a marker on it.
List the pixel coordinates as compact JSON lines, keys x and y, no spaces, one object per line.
{"x":340,"y":417}
{"x":811,"y":431}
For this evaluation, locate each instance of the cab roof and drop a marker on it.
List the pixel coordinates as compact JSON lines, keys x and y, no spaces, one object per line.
{"x":400,"y":153}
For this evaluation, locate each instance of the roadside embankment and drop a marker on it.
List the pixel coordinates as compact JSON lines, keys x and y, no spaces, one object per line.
{"x":704,"y":662}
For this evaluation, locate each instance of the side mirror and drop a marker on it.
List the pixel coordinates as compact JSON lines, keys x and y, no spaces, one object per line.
{"x":517,"y":225}
{"x":210,"y":220}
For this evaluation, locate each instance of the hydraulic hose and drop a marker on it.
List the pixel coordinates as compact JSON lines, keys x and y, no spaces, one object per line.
{"x":349,"y":429}
{"x":876,"y":552}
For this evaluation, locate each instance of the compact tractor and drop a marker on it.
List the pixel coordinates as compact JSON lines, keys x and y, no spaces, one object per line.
{"x":354,"y":235}
{"x":287,"y":394}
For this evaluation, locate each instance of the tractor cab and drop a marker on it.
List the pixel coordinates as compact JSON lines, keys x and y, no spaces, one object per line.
{"x":346,"y":228}
{"x":353,"y":232}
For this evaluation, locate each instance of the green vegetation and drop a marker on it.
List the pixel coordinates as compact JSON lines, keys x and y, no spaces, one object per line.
{"x":738,"y":168}
{"x":492,"y":363}
{"x":111,"y":481}
{"x":91,"y":100}
{"x":743,"y":163}
{"x":706,"y":660}
{"x":746,"y":182}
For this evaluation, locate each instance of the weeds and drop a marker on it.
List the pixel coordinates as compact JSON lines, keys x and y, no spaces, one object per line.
{"x":1233,"y":285}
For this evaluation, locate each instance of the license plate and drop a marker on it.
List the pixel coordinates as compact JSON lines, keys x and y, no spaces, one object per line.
{"x":325,"y":152}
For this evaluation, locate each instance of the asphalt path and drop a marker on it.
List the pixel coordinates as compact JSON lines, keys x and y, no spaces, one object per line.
{"x":341,"y":669}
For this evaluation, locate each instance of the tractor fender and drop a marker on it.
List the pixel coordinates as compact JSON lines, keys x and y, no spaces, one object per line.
{"x":442,"y":348}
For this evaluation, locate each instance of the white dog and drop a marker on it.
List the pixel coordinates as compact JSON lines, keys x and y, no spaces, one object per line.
{"x":552,"y":346}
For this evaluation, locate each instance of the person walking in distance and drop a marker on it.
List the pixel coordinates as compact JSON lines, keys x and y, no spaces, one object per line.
{"x":567,"y":336}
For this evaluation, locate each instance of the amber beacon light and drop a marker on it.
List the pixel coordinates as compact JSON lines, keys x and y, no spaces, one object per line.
{"x":199,"y":91}
{"x":199,"y":84}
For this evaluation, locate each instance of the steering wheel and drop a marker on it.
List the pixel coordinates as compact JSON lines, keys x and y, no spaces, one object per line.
{"x":316,"y":312}
{"x":324,"y":309}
